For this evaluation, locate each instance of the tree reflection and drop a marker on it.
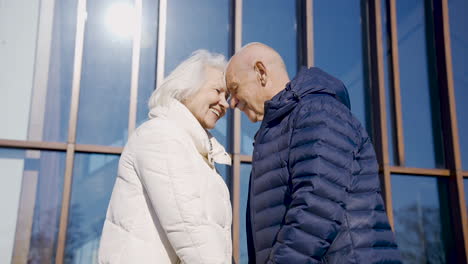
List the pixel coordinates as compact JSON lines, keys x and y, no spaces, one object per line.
{"x":43,"y":239}
{"x":82,"y":232}
{"x":93,"y":181}
{"x":419,"y":234}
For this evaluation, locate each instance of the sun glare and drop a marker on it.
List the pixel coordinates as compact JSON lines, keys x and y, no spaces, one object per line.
{"x":121,"y":19}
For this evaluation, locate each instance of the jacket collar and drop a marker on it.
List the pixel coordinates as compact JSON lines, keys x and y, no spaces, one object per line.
{"x":307,"y":81}
{"x":206,"y":144}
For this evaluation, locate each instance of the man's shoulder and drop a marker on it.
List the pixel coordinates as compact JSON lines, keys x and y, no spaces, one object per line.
{"x":321,"y":101}
{"x":326,"y":108}
{"x":324,"y":103}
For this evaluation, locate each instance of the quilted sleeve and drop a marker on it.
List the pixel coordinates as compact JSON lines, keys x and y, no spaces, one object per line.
{"x":170,"y":174}
{"x":320,"y":158}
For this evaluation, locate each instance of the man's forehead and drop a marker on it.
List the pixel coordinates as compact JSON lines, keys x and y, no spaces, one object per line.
{"x":235,"y":71}
{"x":237,"y":63}
{"x":231,"y":67}
{"x":232,"y":84}
{"x":230,"y":76}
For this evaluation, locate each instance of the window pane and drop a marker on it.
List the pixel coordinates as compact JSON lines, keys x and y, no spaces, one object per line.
{"x":459,"y":40}
{"x":261,"y":22}
{"x":33,"y":183}
{"x":247,"y":134}
{"x":419,"y":97}
{"x":12,"y":169}
{"x":106,"y":71}
{"x":387,"y":80}
{"x":147,"y":76}
{"x":93,"y":180}
{"x":223,"y":170}
{"x":244,"y":194}
{"x":18,"y":29}
{"x":342,"y":54}
{"x":193,"y":25}
{"x":266,"y":26}
{"x":422,"y":224}
{"x":36,"y":69}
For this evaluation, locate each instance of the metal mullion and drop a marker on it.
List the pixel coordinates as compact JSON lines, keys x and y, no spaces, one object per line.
{"x":136,"y":51}
{"x":379,"y":101}
{"x":456,"y":191}
{"x":25,"y":220}
{"x":161,"y":51}
{"x":78,"y":59}
{"x":98,"y":149}
{"x":245,"y":158}
{"x":309,"y":32}
{"x":236,"y":141}
{"x":37,"y":145}
{"x":67,"y":184}
{"x":235,"y":191}
{"x":41,"y":145}
{"x":41,"y":70}
{"x":419,"y":171}
{"x":395,"y":83}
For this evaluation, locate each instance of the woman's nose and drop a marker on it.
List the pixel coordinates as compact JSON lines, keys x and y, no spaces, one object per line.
{"x":224,"y":103}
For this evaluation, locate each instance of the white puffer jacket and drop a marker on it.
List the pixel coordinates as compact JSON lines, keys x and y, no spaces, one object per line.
{"x":169,"y":205}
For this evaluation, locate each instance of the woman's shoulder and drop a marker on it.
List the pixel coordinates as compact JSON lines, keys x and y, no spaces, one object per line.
{"x":157,"y":130}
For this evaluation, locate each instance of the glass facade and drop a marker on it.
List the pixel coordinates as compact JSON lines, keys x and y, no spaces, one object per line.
{"x":16,"y":78}
{"x":36,"y":70}
{"x":422,"y":225}
{"x":420,"y":107}
{"x":190,"y":27}
{"x":277,"y":31}
{"x":56,"y":53}
{"x":31,"y":205}
{"x":147,"y":73}
{"x":93,"y":179}
{"x":105,"y":74}
{"x":342,"y":55}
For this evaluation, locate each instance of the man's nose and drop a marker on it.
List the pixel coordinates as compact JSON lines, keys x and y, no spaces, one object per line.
{"x":233,"y":102}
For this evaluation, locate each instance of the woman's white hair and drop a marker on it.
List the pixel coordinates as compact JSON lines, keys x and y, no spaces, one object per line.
{"x":187,"y":78}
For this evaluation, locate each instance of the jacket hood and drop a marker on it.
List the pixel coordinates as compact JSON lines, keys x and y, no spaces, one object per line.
{"x":307,"y":81}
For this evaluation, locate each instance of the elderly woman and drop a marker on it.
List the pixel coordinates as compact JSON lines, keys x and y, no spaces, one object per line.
{"x":169,"y":205}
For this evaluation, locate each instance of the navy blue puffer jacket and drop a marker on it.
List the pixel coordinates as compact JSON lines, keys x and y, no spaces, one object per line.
{"x":314,"y":189}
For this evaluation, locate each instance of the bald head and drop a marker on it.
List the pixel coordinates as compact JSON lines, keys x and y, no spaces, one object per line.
{"x":251,"y":53}
{"x":254,"y":75}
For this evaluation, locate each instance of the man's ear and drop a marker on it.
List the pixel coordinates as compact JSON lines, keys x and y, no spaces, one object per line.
{"x":260,"y":70}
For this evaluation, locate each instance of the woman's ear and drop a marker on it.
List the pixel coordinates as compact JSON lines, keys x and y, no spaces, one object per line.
{"x":260,"y":70}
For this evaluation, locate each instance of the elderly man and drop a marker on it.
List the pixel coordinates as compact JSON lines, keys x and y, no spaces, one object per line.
{"x":314,"y":194}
